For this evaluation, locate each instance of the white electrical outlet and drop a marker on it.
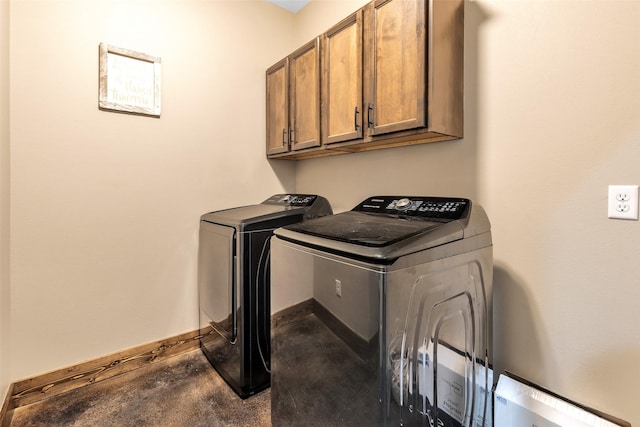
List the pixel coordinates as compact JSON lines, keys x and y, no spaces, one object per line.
{"x":623,"y":201}
{"x":338,"y":288}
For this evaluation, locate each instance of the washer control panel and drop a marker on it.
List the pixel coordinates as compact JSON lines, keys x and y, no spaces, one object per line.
{"x":429,"y":208}
{"x":291,"y":199}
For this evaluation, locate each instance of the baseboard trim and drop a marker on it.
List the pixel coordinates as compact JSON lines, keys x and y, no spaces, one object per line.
{"x":292,"y":314}
{"x":43,"y":386}
{"x":7,"y":408}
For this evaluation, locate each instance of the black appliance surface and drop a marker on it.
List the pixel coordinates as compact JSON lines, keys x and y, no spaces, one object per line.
{"x":234,"y":285}
{"x":386,"y":227}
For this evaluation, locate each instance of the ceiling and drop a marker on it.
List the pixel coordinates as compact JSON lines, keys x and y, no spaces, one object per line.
{"x":291,"y":5}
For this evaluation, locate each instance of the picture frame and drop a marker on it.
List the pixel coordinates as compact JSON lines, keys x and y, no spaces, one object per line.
{"x":129,"y":81}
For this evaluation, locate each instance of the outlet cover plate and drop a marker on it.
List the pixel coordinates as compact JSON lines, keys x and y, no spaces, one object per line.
{"x":623,"y":202}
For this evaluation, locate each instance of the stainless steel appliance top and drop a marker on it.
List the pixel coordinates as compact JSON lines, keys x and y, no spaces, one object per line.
{"x":277,"y":206}
{"x":387,"y":227}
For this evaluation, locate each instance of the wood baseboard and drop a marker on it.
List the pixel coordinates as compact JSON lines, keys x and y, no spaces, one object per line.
{"x":291,"y":314}
{"x":7,"y":408}
{"x":43,"y":386}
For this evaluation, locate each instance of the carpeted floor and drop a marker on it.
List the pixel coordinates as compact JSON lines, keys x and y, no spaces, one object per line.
{"x":186,"y":391}
{"x":182,"y":391}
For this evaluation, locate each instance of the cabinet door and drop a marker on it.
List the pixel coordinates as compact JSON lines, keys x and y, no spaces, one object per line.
{"x":342,"y":81}
{"x":395,"y":65}
{"x":304,"y":110}
{"x":278,"y":108}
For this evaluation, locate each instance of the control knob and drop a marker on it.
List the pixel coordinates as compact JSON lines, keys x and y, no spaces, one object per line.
{"x":403,"y":204}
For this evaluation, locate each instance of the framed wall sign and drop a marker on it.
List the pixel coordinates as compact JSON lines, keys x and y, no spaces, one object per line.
{"x":129,"y":81}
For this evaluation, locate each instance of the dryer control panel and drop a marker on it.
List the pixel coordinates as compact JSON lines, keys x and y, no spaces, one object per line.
{"x":291,"y":199}
{"x":428,"y":208}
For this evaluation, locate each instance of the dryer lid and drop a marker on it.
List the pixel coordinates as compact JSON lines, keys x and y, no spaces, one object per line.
{"x":277,"y":206}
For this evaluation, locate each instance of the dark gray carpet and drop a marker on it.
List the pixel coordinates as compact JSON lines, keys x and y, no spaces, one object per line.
{"x":182,"y":391}
{"x":319,"y":380}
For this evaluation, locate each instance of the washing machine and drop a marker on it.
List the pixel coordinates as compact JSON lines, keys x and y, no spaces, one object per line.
{"x":391,"y":321}
{"x":234,"y":285}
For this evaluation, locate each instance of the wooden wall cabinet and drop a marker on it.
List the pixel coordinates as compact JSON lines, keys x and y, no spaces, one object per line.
{"x":278,"y":108}
{"x":392,"y":75}
{"x":342,"y":112}
{"x":395,"y":65}
{"x":293,"y":101}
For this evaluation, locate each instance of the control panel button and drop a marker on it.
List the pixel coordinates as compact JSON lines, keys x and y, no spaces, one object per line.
{"x":403,"y":204}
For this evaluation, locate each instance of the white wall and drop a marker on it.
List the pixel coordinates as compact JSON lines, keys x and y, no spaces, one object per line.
{"x":4,"y":198}
{"x":105,"y":206}
{"x":552,"y":118}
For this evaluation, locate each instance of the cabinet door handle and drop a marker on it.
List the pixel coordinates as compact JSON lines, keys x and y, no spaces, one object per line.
{"x":291,"y":133}
{"x":355,"y":118}
{"x":284,"y":134}
{"x":369,"y":115}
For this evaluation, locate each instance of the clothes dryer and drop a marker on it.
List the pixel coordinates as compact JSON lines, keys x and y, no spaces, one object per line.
{"x":234,"y":285}
{"x":392,"y":323}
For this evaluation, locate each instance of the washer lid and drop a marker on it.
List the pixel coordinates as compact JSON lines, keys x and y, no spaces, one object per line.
{"x":387,"y":227}
{"x":384,"y":220}
{"x":364,"y":229}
